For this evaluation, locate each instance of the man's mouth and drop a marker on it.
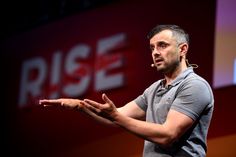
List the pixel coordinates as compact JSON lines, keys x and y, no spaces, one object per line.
{"x":158,"y":60}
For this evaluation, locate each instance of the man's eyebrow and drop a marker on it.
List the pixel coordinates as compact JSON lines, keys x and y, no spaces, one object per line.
{"x":162,"y":42}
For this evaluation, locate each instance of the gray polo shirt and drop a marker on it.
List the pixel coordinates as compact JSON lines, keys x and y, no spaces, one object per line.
{"x":189,"y":94}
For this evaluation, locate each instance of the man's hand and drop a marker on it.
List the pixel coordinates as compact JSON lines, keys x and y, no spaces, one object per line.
{"x":100,"y":112}
{"x":65,"y":103}
{"x":107,"y":110}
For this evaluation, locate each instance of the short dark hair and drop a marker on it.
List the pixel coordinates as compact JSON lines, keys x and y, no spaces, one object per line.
{"x":179,"y":33}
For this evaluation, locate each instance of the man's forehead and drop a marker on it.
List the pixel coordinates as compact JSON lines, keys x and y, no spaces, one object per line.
{"x":165,"y":35}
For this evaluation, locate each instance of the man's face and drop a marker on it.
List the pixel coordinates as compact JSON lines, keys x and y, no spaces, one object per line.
{"x":165,"y":52}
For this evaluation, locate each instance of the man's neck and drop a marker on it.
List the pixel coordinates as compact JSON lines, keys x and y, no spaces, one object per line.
{"x":169,"y":77}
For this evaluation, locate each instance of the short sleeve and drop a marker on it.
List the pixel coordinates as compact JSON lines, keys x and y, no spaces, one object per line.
{"x":192,"y":98}
{"x":141,"y":101}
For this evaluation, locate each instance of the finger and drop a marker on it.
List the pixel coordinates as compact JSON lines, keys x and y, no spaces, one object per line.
{"x":49,"y":102}
{"x":91,"y":108}
{"x":106,"y":99}
{"x":53,"y":101}
{"x":93,"y":103}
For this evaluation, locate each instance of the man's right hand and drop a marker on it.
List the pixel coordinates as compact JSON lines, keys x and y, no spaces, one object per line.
{"x":62,"y":102}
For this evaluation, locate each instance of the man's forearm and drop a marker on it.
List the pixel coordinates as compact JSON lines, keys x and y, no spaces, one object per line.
{"x":149,"y":131}
{"x":96,"y":117}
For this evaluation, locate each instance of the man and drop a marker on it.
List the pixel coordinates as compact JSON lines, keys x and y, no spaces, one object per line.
{"x":173,"y":114}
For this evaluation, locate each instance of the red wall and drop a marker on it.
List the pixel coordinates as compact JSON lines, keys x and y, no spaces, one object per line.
{"x":31,"y":130}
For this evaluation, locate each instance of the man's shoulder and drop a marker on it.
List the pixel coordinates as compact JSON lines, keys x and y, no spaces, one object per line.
{"x":196,"y":80}
{"x":154,"y":85}
{"x":195,"y":77}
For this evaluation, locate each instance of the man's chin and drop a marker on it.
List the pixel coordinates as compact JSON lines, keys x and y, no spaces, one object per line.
{"x":160,"y":69}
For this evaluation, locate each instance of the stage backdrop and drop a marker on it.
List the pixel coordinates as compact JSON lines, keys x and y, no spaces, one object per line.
{"x":103,"y":50}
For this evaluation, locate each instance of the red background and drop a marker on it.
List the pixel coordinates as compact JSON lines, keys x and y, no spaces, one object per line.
{"x":34,"y":131}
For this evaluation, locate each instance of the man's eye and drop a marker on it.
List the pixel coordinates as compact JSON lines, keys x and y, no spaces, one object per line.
{"x":162,"y":45}
{"x":152,"y":48}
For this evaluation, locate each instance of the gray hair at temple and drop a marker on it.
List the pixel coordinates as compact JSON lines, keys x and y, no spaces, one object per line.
{"x":180,"y":35}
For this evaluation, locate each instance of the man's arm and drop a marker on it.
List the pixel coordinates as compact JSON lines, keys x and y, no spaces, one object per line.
{"x":130,"y":109}
{"x":76,"y":105}
{"x":164,"y":134}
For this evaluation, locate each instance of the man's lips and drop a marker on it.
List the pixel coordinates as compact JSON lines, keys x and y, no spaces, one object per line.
{"x":158,"y":60}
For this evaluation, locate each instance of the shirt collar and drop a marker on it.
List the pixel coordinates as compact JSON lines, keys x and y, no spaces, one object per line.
{"x":179,"y":78}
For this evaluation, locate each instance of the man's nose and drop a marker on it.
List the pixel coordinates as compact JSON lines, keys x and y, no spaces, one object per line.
{"x":156,"y":51}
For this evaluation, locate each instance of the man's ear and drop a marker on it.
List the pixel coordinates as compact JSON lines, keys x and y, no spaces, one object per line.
{"x":183,"y":49}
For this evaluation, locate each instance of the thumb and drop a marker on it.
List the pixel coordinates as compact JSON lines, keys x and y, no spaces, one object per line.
{"x":106,"y":99}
